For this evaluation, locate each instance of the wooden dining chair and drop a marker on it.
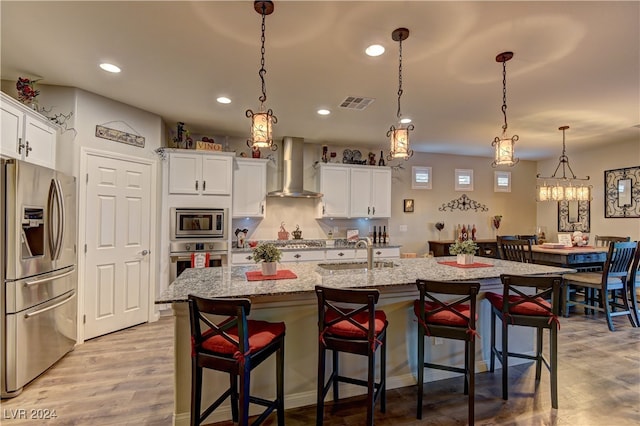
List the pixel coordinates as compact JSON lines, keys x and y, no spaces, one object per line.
{"x":634,"y":283}
{"x":532,"y":237}
{"x":605,"y":241}
{"x":613,"y":278}
{"x":515,"y":306}
{"x":515,"y":250}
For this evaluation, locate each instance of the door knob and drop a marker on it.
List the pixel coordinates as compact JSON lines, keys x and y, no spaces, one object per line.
{"x":145,"y":252}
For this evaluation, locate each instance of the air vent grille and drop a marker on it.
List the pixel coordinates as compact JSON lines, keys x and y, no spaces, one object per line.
{"x":356,"y":102}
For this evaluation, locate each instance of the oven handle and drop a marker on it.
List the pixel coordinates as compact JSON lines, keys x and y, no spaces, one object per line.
{"x":48,"y":308}
{"x":180,"y":258}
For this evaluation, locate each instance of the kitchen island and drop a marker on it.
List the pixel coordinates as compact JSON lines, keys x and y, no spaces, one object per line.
{"x":294,"y":302}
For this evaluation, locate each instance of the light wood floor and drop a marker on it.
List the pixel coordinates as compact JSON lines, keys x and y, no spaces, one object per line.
{"x":125,"y":378}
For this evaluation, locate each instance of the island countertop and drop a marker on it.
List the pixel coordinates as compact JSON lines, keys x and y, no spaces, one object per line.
{"x":231,"y":281}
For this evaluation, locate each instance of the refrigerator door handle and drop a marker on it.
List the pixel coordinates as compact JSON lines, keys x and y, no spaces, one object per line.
{"x":48,"y":308}
{"x":46,"y":280}
{"x":50,"y":196}
{"x":61,"y":219}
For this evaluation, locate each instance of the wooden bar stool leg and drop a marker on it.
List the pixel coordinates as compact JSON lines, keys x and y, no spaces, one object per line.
{"x":492,"y":362}
{"x":196,"y":393}
{"x":336,"y":372}
{"x":553,"y":346}
{"x":280,"y":383}
{"x":383,"y":376}
{"x":320,"y":390}
{"x":233,"y":384}
{"x":420,"y":370}
{"x":371,"y":373}
{"x":245,"y":386}
{"x":538,"y":353}
{"x":505,"y":360}
{"x":466,"y":366}
{"x":471,"y":372}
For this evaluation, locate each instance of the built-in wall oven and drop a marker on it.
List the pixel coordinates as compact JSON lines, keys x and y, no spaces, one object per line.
{"x":197,"y":231}
{"x":182,"y":254}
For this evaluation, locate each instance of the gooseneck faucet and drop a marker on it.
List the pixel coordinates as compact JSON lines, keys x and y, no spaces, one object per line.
{"x":369,"y":246}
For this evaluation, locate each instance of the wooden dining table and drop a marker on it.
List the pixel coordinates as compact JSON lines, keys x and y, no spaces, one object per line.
{"x":579,"y":258}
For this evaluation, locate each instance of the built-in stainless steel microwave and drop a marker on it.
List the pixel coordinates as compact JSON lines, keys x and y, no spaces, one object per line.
{"x":197,"y":223}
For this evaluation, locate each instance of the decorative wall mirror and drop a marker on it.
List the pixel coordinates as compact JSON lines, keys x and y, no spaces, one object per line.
{"x":622,"y":192}
{"x":573,"y":216}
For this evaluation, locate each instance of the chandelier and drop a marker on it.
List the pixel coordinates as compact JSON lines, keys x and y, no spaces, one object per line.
{"x":504,"y":146}
{"x":262,"y":122}
{"x":563,"y":188}
{"x":399,"y":136}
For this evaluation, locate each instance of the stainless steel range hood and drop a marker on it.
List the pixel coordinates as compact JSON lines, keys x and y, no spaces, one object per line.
{"x":290,"y":170}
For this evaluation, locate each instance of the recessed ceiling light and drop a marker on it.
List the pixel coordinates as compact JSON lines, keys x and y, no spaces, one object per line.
{"x":110,"y":67}
{"x":374,"y":50}
{"x":223,"y":100}
{"x":405,"y":120}
{"x":324,"y":112}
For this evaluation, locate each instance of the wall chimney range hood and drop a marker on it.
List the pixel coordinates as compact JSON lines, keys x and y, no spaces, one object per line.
{"x":290,"y":170}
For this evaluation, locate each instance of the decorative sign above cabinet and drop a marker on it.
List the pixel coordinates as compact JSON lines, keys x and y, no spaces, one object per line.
{"x":119,"y":136}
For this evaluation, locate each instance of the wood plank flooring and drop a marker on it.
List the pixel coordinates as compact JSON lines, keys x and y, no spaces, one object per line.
{"x":125,"y":378}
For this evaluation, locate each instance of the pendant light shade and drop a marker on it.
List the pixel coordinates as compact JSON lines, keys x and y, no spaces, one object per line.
{"x":564,"y":187}
{"x":262,"y":122}
{"x":399,"y":135}
{"x":503,"y":145}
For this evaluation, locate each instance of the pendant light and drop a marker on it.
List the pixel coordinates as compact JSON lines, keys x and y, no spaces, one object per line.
{"x":399,"y":136}
{"x":563,"y":187}
{"x":503,"y":145}
{"x":262,"y":122}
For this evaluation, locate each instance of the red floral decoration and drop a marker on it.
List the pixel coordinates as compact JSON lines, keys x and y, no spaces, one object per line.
{"x":26,"y":91}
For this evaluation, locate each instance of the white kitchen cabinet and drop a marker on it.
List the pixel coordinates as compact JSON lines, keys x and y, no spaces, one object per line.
{"x":355,"y":191}
{"x":343,"y":254}
{"x":249,"y":187}
{"x":26,"y":134}
{"x":334,"y":186}
{"x":244,"y":258}
{"x":370,"y":189}
{"x":302,"y":255}
{"x":200,"y":173}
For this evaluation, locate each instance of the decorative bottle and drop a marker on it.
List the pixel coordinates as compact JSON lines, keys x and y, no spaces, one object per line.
{"x":464,"y":233}
{"x":473,"y":232}
{"x":384,"y":235}
{"x":375,"y":237}
{"x":381,"y":160}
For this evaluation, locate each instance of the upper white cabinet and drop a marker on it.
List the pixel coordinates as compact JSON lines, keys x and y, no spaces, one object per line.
{"x":334,"y":186}
{"x":200,"y":173}
{"x":26,"y":134}
{"x":355,"y":191}
{"x":249,"y":187}
{"x":370,"y":192}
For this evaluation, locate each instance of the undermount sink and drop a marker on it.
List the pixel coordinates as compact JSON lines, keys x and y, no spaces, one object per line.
{"x":355,"y":265}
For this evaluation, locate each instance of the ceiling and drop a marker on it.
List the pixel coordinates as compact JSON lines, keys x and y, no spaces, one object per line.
{"x":575,"y":63}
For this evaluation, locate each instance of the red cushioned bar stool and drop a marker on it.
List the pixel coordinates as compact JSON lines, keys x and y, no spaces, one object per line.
{"x":235,"y":346}
{"x":348,"y":322}
{"x":452,"y":319}
{"x":539,"y":310}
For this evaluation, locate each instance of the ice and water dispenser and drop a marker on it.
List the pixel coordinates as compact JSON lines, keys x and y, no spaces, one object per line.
{"x":33,"y":232}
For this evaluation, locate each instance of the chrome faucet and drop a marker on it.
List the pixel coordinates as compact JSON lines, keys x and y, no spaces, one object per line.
{"x":369,"y":246}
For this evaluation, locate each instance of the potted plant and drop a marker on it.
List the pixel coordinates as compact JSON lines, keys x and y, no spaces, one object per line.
{"x":465,"y":250}
{"x":268,"y":254}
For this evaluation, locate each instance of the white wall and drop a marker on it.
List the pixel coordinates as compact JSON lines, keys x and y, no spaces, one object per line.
{"x":593,"y":162}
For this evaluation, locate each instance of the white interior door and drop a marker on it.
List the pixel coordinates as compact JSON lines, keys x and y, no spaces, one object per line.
{"x":117,"y":259}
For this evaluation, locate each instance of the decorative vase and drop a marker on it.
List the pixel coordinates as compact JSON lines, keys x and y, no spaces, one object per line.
{"x":464,"y":259}
{"x":269,"y":268}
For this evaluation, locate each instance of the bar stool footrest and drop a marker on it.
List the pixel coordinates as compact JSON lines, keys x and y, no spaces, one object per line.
{"x":446,"y":368}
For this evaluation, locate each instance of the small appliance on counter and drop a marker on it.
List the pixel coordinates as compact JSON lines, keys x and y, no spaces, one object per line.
{"x":241,"y":235}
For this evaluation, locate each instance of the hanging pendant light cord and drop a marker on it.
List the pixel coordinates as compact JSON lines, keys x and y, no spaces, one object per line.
{"x":504,"y":96}
{"x":399,"y":114}
{"x":263,"y":71}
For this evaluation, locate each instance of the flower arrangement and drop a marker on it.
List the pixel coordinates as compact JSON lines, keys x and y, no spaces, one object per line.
{"x":463,"y":247}
{"x":266,"y":253}
{"x":26,"y":91}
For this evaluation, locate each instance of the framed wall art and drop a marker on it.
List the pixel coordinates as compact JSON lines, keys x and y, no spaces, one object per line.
{"x":408,"y":205}
{"x":622,"y":192}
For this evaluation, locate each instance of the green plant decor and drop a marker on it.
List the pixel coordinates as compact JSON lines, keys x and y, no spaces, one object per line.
{"x":266,"y":253}
{"x":463,"y":247}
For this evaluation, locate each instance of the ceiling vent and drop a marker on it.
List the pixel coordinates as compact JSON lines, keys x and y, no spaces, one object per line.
{"x":355,"y":102}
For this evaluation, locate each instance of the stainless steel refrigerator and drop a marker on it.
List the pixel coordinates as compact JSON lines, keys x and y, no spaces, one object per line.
{"x":39,"y":278}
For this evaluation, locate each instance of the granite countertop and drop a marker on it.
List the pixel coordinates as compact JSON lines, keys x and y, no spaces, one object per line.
{"x":290,"y":245}
{"x":232,"y":282}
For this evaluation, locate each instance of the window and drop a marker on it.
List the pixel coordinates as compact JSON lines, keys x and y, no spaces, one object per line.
{"x":464,"y":180}
{"x":501,"y":181}
{"x":421,"y":177}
